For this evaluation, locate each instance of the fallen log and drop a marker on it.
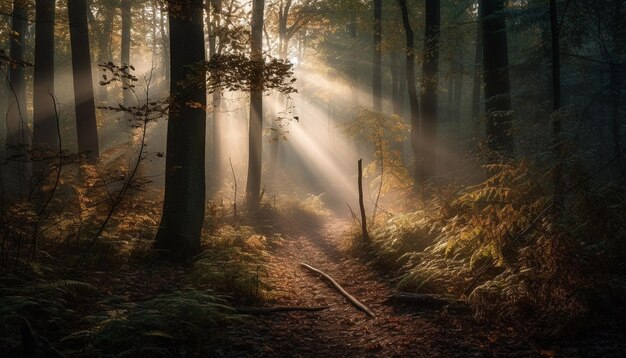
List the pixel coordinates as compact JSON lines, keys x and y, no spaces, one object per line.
{"x":350,"y":298}
{"x":278,"y":309}
{"x":429,"y":300}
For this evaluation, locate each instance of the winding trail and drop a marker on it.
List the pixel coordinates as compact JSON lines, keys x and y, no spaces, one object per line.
{"x":344,"y":331}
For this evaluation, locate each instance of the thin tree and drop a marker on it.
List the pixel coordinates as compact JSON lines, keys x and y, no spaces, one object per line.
{"x":478,"y":65}
{"x":86,"y":125}
{"x":496,"y":78}
{"x":253,"y":185}
{"x":410,"y":83}
{"x":16,"y":116}
{"x":616,"y":74}
{"x":377,"y":75}
{"x":430,"y":77}
{"x":125,"y":6}
{"x":45,"y":138}
{"x":214,"y":26}
{"x":183,"y":206}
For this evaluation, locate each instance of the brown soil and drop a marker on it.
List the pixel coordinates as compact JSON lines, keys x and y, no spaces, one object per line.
{"x":344,"y":331}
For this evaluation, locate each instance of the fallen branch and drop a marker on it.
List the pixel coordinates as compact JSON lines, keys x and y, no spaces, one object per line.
{"x":350,"y":298}
{"x":278,"y":309}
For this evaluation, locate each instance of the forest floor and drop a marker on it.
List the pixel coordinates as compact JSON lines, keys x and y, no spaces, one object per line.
{"x":397,"y":330}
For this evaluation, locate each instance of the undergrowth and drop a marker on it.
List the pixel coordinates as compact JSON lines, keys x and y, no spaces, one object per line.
{"x":512,"y":253}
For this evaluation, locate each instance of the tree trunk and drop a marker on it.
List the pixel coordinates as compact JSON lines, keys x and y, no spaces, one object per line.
{"x":616,"y":79}
{"x":430,"y":79}
{"x":399,"y":87}
{"x":17,"y":131}
{"x":458,"y":92}
{"x":86,"y":126}
{"x":411,"y":86}
{"x":496,"y":77}
{"x":477,"y":81}
{"x":556,"y":71}
{"x":45,"y":138}
{"x":183,"y":206}
{"x":104,"y":46}
{"x":125,"y":59}
{"x":217,"y":95}
{"x":377,"y":68}
{"x":449,"y":110}
{"x":255,"y":140}
{"x":166,"y":45}
{"x":354,"y":72}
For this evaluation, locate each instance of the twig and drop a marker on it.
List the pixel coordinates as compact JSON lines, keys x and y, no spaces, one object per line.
{"x":350,"y":298}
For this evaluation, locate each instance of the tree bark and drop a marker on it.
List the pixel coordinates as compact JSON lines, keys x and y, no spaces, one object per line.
{"x":377,"y":68}
{"x":255,"y":140}
{"x":496,"y":77}
{"x":430,"y":78}
{"x":184,"y":203}
{"x":411,"y":86}
{"x":45,"y":138}
{"x":86,"y":126}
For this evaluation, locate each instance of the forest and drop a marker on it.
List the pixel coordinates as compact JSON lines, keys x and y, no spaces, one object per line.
{"x":312,"y":178}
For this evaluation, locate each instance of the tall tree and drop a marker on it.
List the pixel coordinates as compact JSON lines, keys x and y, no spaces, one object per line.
{"x":377,"y":76}
{"x":44,"y":118}
{"x":556,"y":71}
{"x":410,"y":84}
{"x":616,"y":73}
{"x":183,"y":206}
{"x":101,"y":27}
{"x":496,"y":78}
{"x":253,"y":185}
{"x":215,"y":10}
{"x":430,"y":77}
{"x":125,"y":6}
{"x":16,"y":116}
{"x":86,"y":125}
{"x":478,"y":65}
{"x":17,"y":135}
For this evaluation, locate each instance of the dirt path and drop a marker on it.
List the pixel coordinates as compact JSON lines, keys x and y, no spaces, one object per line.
{"x":342,"y":330}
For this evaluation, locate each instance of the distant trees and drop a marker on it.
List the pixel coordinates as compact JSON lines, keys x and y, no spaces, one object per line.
{"x":377,"y":76}
{"x":430,"y":78}
{"x":477,"y":84}
{"x":17,"y":135}
{"x":216,"y":44}
{"x":253,"y":185}
{"x":496,"y":78}
{"x":126,"y":6}
{"x":86,"y":126}
{"x":183,"y":206}
{"x":411,"y":83}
